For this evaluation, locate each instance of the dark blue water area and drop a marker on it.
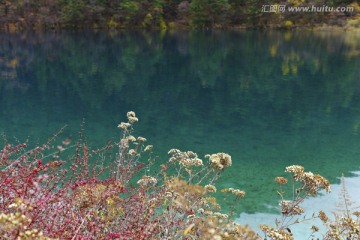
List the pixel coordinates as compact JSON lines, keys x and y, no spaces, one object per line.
{"x":269,"y":99}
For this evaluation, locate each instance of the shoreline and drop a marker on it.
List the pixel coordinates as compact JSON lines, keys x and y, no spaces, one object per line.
{"x":175,"y":26}
{"x":327,"y":28}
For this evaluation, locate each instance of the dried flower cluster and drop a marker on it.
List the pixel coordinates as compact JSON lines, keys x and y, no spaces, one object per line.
{"x":131,"y":120}
{"x":185,"y":159}
{"x":290,"y":208}
{"x":124,"y":125}
{"x":281,"y":180}
{"x":323,"y":217}
{"x":217,"y":226}
{"x":236,"y":192}
{"x":314,"y":228}
{"x":148,"y":148}
{"x":220,"y":161}
{"x":312,"y":183}
{"x":210,"y":188}
{"x":221,"y":215}
{"x":147,"y":180}
{"x":276,"y":234}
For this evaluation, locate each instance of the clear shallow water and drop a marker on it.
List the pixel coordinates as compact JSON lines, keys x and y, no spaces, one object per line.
{"x":269,"y":99}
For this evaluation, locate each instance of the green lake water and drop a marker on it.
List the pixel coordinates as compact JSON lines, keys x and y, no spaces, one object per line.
{"x":269,"y":99}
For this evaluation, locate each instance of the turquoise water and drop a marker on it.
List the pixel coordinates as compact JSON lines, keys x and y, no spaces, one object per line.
{"x":269,"y":99}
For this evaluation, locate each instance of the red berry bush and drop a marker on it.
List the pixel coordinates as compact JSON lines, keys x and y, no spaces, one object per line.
{"x":78,"y":193}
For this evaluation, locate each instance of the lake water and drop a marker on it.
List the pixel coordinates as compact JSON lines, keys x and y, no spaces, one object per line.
{"x":269,"y":99}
